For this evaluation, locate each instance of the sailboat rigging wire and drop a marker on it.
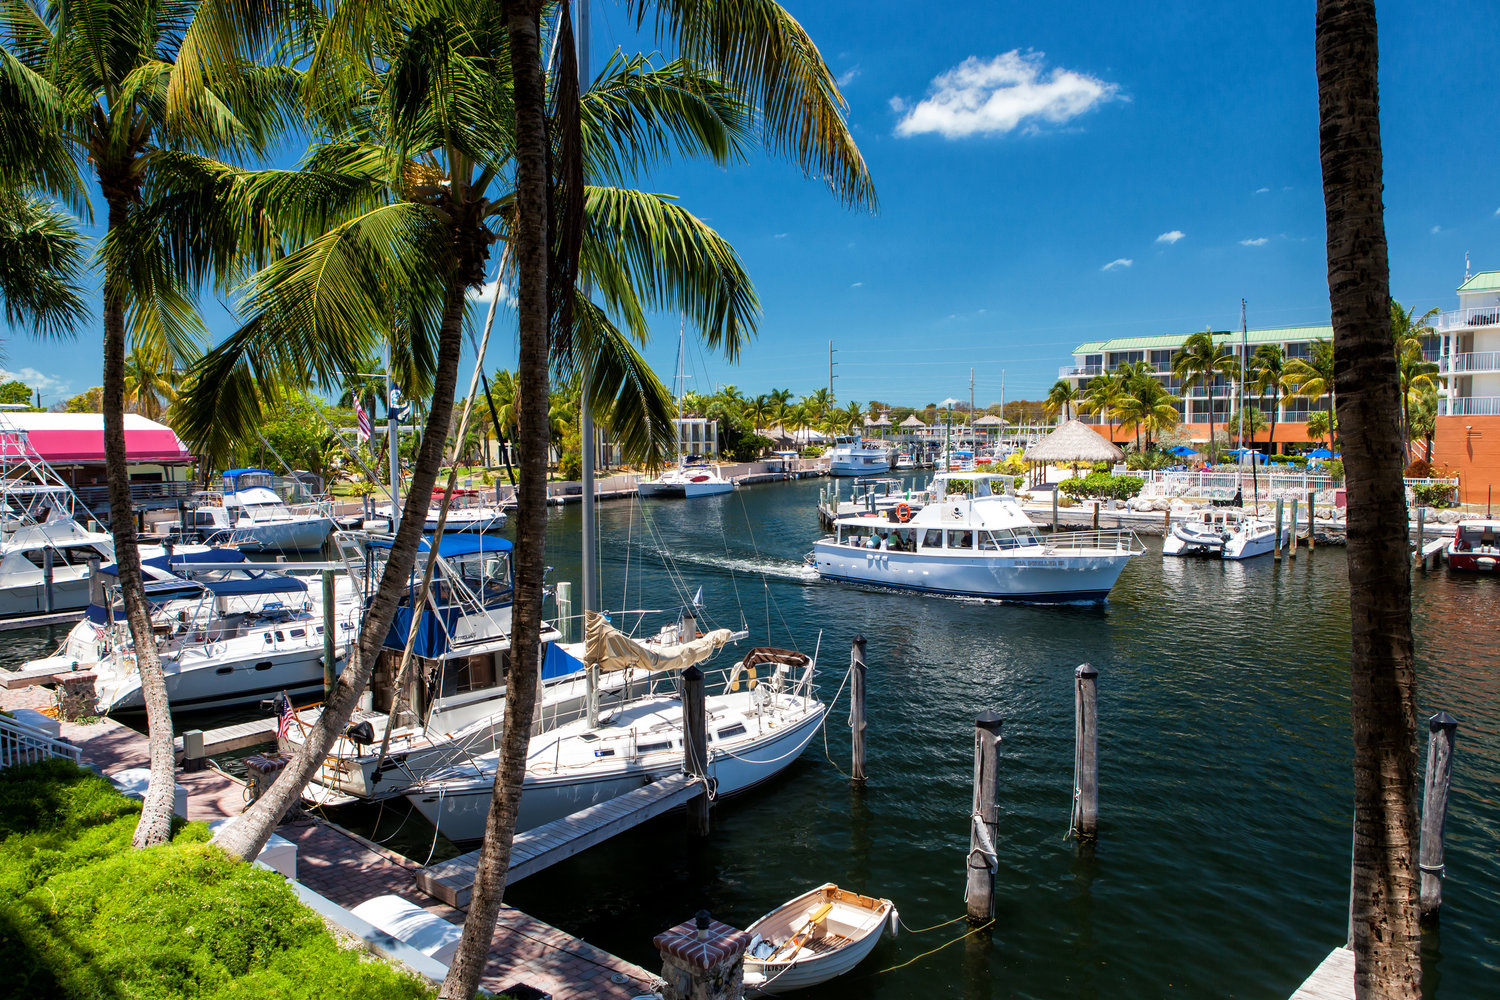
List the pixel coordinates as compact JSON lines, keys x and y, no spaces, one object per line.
{"x":766,"y":583}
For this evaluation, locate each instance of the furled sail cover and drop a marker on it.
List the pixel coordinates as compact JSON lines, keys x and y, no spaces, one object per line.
{"x":610,"y":649}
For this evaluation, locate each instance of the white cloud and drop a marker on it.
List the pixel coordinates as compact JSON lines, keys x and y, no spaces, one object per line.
{"x":1171,"y":237}
{"x":848,"y":76}
{"x":999,"y":96}
{"x":781,"y":236}
{"x":1117,"y":263}
{"x":1259,"y":241}
{"x":1435,"y":230}
{"x":49,"y":386}
{"x":858,"y":284}
{"x":1262,"y":190}
{"x":487,"y":291}
{"x":1497,"y":211}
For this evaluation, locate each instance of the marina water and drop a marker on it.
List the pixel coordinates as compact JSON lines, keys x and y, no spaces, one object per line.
{"x":1222,"y":865}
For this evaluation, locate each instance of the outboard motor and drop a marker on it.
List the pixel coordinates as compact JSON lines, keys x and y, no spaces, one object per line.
{"x":361,"y":733}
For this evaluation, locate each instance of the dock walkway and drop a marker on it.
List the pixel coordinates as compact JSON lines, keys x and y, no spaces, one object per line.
{"x":1333,"y":980}
{"x":347,"y":870}
{"x":452,"y":881}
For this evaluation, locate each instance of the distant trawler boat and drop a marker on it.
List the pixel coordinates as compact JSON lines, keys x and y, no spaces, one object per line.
{"x":852,"y":457}
{"x":689,"y":481}
{"x":971,"y":542}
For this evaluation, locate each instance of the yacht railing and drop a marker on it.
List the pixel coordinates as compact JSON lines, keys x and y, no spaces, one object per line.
{"x":1116,"y":540}
{"x":21,"y":744}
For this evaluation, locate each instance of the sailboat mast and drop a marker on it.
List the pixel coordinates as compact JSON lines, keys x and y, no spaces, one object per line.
{"x":681,"y":383}
{"x":586,"y":434}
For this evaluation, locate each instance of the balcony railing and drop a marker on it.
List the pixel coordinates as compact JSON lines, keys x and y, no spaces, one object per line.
{"x":1079,"y":371}
{"x":1460,"y":319}
{"x":1469,"y":406}
{"x":1483,"y":361}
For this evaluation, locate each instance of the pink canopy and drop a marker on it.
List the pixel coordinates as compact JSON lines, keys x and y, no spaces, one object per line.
{"x":78,"y":439}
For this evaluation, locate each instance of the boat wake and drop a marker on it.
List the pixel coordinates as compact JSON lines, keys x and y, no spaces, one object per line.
{"x":762,"y":567}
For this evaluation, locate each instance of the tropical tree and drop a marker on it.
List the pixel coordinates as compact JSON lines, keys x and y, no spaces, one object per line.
{"x":1312,"y":377}
{"x":1421,"y":417}
{"x":42,"y":260}
{"x":1145,"y":405}
{"x":1383,"y":920}
{"x":760,"y":50}
{"x":1319,"y":426}
{"x":1267,"y":376}
{"x":1247,"y":423}
{"x":1062,"y":396}
{"x":1102,"y":395}
{"x":114,"y":86}
{"x":150,"y":383}
{"x":760,"y":411}
{"x":1203,"y":361}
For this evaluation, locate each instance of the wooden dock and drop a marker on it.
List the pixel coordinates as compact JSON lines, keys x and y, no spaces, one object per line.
{"x":10,"y":680}
{"x":1333,"y":980}
{"x":37,"y":621}
{"x":245,"y":734}
{"x":452,"y":881}
{"x":1431,"y":553}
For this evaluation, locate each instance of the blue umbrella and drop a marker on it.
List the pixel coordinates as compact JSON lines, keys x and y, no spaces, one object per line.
{"x":1320,"y":453}
{"x":1181,"y":450}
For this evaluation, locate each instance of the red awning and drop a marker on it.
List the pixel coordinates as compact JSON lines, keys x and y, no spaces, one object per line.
{"x":77,"y":446}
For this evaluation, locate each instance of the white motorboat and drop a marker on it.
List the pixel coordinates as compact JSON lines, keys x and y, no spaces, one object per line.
{"x":24,"y":566}
{"x":467,"y":512}
{"x":688,"y":481}
{"x":1474,"y":546}
{"x":850,"y":456}
{"x":970,"y":541}
{"x":1227,"y":534}
{"x":821,"y":934}
{"x":253,"y":516}
{"x":757,"y":726}
{"x":228,"y":632}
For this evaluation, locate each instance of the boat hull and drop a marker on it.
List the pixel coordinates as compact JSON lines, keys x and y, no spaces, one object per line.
{"x":1038,"y":578}
{"x":285,"y":536}
{"x":70,"y":592}
{"x":460,"y":811}
{"x":768,"y":978}
{"x":195,"y":682}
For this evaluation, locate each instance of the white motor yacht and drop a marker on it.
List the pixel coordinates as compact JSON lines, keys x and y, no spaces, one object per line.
{"x":850,"y":456}
{"x":1227,"y":534}
{"x":689,"y":481}
{"x":467,"y":512}
{"x":972,"y":542}
{"x":253,"y":516}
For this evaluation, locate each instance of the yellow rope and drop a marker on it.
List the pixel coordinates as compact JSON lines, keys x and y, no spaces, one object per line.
{"x":938,"y":948}
{"x":924,"y":930}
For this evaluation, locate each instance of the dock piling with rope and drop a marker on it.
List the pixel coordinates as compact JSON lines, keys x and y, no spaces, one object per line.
{"x":984,"y":820}
{"x":1086,"y":752}
{"x":1442,"y":730}
{"x":857,"y":707}
{"x":695,"y":745}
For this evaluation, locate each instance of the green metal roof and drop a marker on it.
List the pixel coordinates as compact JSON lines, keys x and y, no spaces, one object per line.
{"x":1277,"y":336}
{"x":1484,"y":281}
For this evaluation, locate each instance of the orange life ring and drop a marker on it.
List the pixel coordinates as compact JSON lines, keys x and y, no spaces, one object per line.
{"x":903,"y":513}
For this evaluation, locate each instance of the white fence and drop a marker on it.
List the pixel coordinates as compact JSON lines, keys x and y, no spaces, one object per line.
{"x":1268,"y":478}
{"x":21,"y":744}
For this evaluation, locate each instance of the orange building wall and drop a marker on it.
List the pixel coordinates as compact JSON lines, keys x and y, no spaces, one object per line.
{"x":1471,"y":447}
{"x":1286,"y":433}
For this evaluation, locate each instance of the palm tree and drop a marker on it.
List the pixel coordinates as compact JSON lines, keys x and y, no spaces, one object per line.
{"x":1144,"y":403}
{"x":1312,"y":377}
{"x":1319,"y":426}
{"x":150,"y":383}
{"x":42,"y":260}
{"x":1101,"y":396}
{"x":1202,"y":361}
{"x":1253,"y":422}
{"x":760,"y":411}
{"x":1267,"y":376}
{"x":115,"y":86}
{"x":1407,"y":333}
{"x":1387,"y":961}
{"x":1062,"y":396}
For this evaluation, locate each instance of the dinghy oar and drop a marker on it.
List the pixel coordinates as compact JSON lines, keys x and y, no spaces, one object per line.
{"x":795,"y":942}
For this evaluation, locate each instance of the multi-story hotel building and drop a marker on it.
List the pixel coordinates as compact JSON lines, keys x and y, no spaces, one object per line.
{"x":1465,"y":346}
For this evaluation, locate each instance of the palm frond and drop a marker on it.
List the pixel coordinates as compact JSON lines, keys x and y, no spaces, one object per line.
{"x":625,"y":392}
{"x":43,"y":256}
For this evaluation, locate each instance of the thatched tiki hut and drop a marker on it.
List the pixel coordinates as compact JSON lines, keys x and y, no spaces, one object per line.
{"x":1073,"y":442}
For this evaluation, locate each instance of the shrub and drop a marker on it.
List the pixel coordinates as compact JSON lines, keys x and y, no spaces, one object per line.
{"x":1435,"y":494}
{"x":1102,"y":486}
{"x":84,"y":915}
{"x":1335,"y":469}
{"x":1419,"y":469}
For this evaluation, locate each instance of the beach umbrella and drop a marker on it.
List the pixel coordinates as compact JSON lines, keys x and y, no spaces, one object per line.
{"x":1181,"y":451}
{"x":1320,"y":453}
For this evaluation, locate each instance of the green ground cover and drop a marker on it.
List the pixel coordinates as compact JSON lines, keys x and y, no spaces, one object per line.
{"x":85,"y":917}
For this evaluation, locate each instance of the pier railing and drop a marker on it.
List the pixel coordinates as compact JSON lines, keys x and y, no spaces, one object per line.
{"x":21,"y":744}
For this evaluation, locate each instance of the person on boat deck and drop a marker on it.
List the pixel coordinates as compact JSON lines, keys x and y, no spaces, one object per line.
{"x":871,"y":542}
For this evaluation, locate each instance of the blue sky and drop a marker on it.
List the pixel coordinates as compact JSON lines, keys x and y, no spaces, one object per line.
{"x":1049,"y":174}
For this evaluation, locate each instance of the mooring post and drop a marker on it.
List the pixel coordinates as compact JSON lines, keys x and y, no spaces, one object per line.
{"x":1421,"y":537}
{"x":48,"y":601}
{"x":1054,"y":511}
{"x":695,"y":746}
{"x":857,"y":706}
{"x":984,"y":821}
{"x":1312,"y":520}
{"x":1096,"y":514}
{"x":182,"y":519}
{"x":1280,"y":505}
{"x":1292,"y":547}
{"x":1086,"y":752}
{"x":563,"y":597}
{"x":330,"y":658}
{"x":1442,"y":729}
{"x":193,"y":757}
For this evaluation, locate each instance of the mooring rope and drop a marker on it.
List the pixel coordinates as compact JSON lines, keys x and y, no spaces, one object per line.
{"x":934,"y":951}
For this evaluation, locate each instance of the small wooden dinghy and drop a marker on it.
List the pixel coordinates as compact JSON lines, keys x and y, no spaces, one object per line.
{"x":821,"y":934}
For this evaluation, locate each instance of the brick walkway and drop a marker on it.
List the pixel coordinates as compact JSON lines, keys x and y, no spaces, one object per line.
{"x":348,"y":870}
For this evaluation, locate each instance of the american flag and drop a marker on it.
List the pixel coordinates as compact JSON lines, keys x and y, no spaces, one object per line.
{"x":284,"y":722}
{"x":364,"y":420}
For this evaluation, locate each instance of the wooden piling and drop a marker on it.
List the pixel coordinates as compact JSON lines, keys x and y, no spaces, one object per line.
{"x":182,"y":520}
{"x":1292,"y":548}
{"x":1054,"y":511}
{"x":330,"y":651}
{"x":1442,"y":729}
{"x":1096,"y":515}
{"x":1086,"y":752}
{"x":857,"y":707}
{"x":49,"y":597}
{"x":695,"y":745}
{"x":1280,"y":510}
{"x":984,"y":820}
{"x":1421,"y":537}
{"x":1312,"y":520}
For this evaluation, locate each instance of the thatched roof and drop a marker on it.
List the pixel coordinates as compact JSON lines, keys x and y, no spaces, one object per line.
{"x":989,"y":420}
{"x":1074,"y":441}
{"x":880,"y":421}
{"x":912,"y":421}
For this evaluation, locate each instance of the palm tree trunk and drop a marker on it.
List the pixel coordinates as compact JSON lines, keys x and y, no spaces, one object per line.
{"x":523,"y":25}
{"x":1383,"y":681}
{"x":155,"y":826}
{"x":245,"y":835}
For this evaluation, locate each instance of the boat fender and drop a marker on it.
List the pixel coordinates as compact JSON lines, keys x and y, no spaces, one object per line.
{"x":895,"y":921}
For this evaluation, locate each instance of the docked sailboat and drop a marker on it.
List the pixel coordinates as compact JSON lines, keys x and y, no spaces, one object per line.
{"x":973,"y":542}
{"x":468,"y":511}
{"x":1225,"y":534}
{"x":765,"y":712}
{"x":808,"y":940}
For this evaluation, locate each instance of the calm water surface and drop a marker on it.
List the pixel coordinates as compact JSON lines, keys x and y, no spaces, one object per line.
{"x":1222,"y":863}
